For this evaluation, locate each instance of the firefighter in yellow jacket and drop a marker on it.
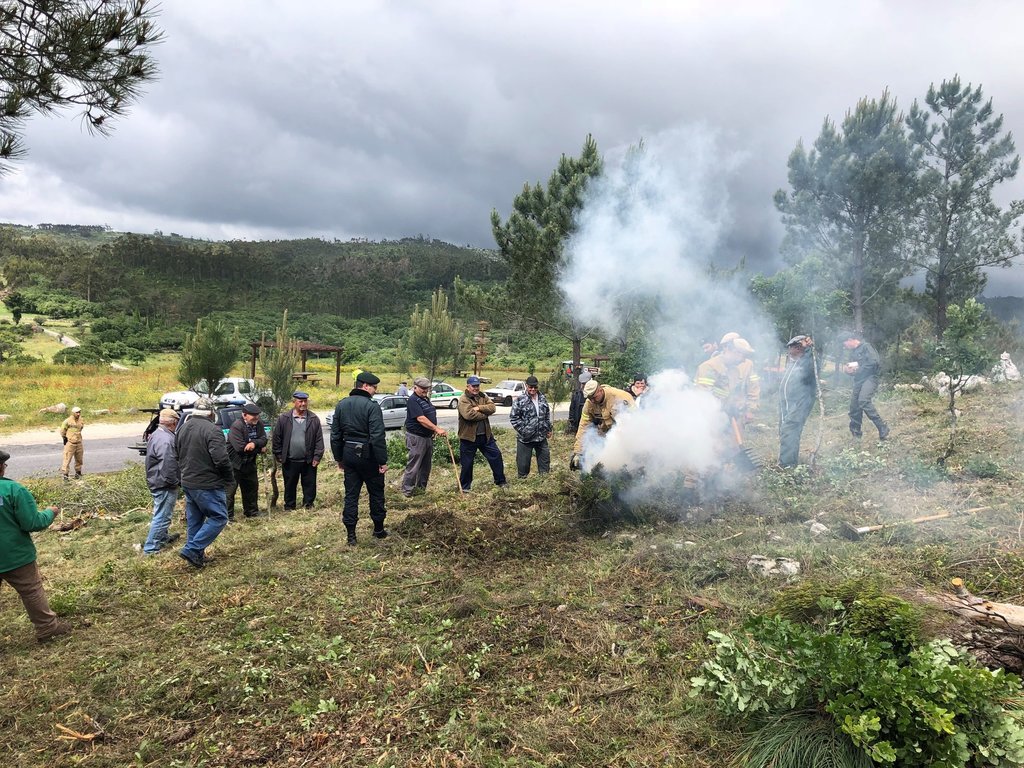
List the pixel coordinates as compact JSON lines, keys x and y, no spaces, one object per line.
{"x":599,"y":411}
{"x":730,"y":376}
{"x":71,"y":434}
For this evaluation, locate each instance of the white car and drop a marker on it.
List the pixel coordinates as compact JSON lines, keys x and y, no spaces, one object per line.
{"x":235,"y":391}
{"x":392,"y":407}
{"x":444,"y":395}
{"x":507,"y":391}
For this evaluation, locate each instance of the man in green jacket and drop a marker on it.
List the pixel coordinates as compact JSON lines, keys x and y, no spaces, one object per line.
{"x":361,"y":452}
{"x":19,"y":516}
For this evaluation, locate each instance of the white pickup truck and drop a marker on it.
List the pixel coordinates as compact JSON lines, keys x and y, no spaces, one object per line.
{"x":230,"y":391}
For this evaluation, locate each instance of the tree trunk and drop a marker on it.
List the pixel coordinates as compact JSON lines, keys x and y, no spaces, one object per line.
{"x":858,"y":283}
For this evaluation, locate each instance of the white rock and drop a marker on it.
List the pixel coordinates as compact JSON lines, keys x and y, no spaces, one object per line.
{"x":58,"y":408}
{"x":817,"y":529}
{"x":1005,"y":370}
{"x":768,"y":567}
{"x":100,"y":412}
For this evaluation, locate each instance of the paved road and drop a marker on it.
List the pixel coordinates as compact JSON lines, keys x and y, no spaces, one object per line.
{"x":111,"y":454}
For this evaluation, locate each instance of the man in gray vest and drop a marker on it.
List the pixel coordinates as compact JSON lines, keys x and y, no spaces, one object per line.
{"x":298,"y":444}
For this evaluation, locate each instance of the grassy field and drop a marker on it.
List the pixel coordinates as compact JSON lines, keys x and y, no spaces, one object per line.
{"x":29,"y":388}
{"x":495,"y":629}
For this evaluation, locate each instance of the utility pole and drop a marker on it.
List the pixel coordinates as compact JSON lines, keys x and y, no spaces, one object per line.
{"x":480,"y":350}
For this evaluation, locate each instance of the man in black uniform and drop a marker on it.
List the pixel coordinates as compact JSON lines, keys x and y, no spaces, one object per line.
{"x":797,"y":392}
{"x":359,"y":447}
{"x":863,"y":366}
{"x":247,"y":439}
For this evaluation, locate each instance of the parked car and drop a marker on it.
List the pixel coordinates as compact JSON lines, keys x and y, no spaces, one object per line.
{"x":506,"y":392}
{"x":444,"y":395}
{"x":392,"y":406}
{"x":224,"y":417}
{"x":236,"y":391}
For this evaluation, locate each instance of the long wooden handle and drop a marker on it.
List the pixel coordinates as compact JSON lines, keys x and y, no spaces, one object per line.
{"x":455,"y":467}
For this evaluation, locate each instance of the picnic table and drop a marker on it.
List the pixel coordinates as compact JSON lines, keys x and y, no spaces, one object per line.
{"x":306,"y":376}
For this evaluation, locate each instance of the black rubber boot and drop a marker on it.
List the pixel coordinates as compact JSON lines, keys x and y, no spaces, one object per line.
{"x":351,"y":535}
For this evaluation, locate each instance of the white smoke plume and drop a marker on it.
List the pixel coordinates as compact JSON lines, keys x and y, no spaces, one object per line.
{"x":647,"y":236}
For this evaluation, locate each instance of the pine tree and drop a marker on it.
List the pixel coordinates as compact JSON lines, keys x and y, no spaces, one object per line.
{"x":850,"y":198}
{"x":960,"y":229}
{"x":208,"y":355}
{"x":434,"y":335}
{"x":93,"y":54}
{"x":531,"y":242}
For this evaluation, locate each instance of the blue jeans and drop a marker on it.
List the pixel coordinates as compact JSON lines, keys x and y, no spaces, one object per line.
{"x":206,"y":514}
{"x":491,"y":452}
{"x":163,"y":508}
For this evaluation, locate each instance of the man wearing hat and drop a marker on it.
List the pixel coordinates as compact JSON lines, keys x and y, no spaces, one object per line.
{"x":420,"y":430}
{"x":247,"y":439}
{"x":865,"y":367}
{"x":298,"y":445}
{"x":359,"y":448}
{"x":530,"y":417}
{"x":162,"y":479}
{"x":71,"y":434}
{"x":19,"y":517}
{"x":205,"y":471}
{"x":603,"y":404}
{"x":797,"y":392}
{"x":475,"y":434}
{"x":730,"y":376}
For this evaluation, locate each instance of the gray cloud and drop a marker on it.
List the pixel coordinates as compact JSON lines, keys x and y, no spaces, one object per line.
{"x":386,"y":119}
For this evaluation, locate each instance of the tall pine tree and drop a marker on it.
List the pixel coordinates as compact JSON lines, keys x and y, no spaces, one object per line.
{"x":960,"y":229}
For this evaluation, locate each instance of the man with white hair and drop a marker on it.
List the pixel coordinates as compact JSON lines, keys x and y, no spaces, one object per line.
{"x":162,"y":479}
{"x":205,"y":470}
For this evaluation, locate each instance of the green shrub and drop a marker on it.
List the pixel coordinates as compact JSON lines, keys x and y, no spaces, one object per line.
{"x":933,"y":706}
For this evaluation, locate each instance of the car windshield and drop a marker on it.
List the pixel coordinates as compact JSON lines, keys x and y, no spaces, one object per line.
{"x":201,"y":388}
{"x":508,"y":384}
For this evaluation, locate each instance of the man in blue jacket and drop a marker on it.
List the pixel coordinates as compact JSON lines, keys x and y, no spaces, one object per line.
{"x":19,"y":516}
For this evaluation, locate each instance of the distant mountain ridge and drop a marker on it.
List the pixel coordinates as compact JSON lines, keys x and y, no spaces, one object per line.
{"x":1006,"y":309}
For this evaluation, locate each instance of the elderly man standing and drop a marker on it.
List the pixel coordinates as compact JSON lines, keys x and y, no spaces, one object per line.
{"x":205,"y":470}
{"x":359,"y":448}
{"x":19,"y":516}
{"x":71,"y":434}
{"x":420,"y":430}
{"x":298,"y":444}
{"x":603,"y":404}
{"x":162,"y":479}
{"x":530,"y":417}
{"x":247,"y":439}
{"x":475,"y":434}
{"x":797,"y":393}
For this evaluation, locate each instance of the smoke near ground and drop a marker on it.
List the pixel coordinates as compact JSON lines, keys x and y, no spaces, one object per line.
{"x":646,"y":244}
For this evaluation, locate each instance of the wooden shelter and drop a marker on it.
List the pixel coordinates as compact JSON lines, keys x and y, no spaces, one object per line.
{"x":305,"y":348}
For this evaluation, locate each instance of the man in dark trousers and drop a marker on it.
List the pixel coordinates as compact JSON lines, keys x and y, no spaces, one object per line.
{"x":420,"y":430}
{"x":530,"y":417}
{"x":19,"y":517}
{"x":205,"y":471}
{"x":797,"y":392}
{"x":298,"y":445}
{"x":864,"y":366}
{"x":247,"y":439}
{"x":359,"y":447}
{"x":475,"y":434}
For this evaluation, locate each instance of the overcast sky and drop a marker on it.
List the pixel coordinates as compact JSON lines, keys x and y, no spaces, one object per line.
{"x":388,"y":119}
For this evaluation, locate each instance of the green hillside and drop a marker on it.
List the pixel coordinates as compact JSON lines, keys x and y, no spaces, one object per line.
{"x":145,"y":291}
